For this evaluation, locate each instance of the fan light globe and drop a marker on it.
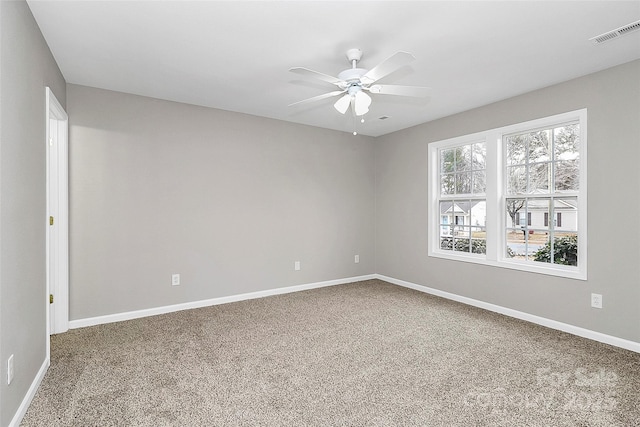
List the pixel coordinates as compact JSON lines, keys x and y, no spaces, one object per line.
{"x":362,"y":102}
{"x":342,"y":104}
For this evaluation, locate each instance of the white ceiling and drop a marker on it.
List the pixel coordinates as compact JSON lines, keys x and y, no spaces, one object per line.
{"x":235,"y":55}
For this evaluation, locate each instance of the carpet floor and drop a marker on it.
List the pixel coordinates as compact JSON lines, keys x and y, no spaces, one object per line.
{"x":362,"y":354}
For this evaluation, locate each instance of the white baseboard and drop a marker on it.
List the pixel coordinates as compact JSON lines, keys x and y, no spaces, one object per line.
{"x":118,"y":317}
{"x":553,"y":324}
{"x":565,"y":327}
{"x":22,"y":409}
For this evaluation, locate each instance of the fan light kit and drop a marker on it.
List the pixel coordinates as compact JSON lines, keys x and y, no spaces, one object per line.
{"x":354,"y":83}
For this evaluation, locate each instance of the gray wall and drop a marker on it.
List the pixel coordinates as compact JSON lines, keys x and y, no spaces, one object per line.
{"x":230,"y":201}
{"x":26,"y":68}
{"x":612,"y":98}
{"x":227,"y":200}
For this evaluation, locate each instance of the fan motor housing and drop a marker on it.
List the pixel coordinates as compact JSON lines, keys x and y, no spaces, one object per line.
{"x":352,"y":74}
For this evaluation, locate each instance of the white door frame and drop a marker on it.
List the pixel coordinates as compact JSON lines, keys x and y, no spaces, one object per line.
{"x":57,"y":147}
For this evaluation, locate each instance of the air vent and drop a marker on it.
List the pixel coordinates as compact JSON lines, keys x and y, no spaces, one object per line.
{"x":634,"y":26}
{"x":383,"y":118}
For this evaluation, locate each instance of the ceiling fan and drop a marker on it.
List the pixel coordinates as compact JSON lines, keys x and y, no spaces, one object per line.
{"x":354,"y":83}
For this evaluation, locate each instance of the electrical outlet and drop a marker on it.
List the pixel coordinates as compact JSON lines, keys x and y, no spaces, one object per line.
{"x":296,"y":266}
{"x":10,"y":370}
{"x":596,"y":300}
{"x":175,"y":279}
{"x":357,"y":259}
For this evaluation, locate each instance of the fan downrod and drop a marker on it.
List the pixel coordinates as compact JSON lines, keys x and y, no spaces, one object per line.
{"x":353,"y":74}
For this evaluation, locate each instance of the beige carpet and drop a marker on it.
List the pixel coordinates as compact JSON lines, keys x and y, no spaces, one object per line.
{"x":363,"y":354}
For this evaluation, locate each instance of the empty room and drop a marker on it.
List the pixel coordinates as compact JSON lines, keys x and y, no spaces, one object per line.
{"x":319,"y":213}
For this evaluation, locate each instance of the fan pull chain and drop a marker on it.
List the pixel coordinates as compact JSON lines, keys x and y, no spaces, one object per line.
{"x":355,"y":124}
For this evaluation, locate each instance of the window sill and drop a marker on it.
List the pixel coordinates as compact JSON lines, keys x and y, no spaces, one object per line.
{"x":568,"y":272}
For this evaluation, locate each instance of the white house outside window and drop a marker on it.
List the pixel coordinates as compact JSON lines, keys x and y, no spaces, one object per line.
{"x":513,"y":197}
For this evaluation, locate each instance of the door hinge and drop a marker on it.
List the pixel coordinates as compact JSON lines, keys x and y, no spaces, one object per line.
{"x":50,"y":298}
{"x":50,"y":220}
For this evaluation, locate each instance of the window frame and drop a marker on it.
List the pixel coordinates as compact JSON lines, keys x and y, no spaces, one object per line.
{"x":496,"y":196}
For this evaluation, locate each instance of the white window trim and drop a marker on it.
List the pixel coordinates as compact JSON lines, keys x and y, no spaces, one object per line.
{"x":496,"y":221}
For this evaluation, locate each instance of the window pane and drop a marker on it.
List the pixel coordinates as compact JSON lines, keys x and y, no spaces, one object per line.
{"x":479,"y":156}
{"x":539,"y":211}
{"x":516,"y":150}
{"x":446,"y":243}
{"x":478,"y":213}
{"x":446,"y":230}
{"x":446,"y":227}
{"x":524,"y":244}
{"x":563,"y":250}
{"x":516,"y":180}
{"x":461,"y":230}
{"x":516,"y":209}
{"x":446,"y":212}
{"x":566,"y":141}
{"x":516,"y":247}
{"x":461,"y":244}
{"x":567,"y":211}
{"x":463,"y":158}
{"x":540,"y":248}
{"x":448,"y":184}
{"x":539,"y":146}
{"x":539,"y":178}
{"x":567,"y":175}
{"x":461,"y":210}
{"x":463,"y":183}
{"x":446,"y":234}
{"x":447,"y":158}
{"x":479,"y":182}
{"x":478,"y":240}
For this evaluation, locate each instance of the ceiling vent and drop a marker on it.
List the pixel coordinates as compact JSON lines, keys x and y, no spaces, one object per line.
{"x":634,"y":26}
{"x":383,"y":118}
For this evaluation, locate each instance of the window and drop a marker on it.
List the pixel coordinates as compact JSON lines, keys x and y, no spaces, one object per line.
{"x":542,"y":179}
{"x":462,"y":202}
{"x":513,"y":197}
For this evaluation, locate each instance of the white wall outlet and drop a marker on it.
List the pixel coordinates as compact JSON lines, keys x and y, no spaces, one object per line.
{"x":356,"y":259}
{"x":596,"y":300}
{"x":10,"y":370}
{"x":175,"y":279}
{"x":296,"y":266}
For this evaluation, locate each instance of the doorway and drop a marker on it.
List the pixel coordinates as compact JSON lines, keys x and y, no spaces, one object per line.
{"x":57,"y":244}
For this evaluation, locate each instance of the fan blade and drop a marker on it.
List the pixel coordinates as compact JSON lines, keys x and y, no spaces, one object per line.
{"x":362,"y":102}
{"x":415,"y":91}
{"x":388,"y":66}
{"x":310,"y":73}
{"x":319,"y":97}
{"x":342,"y":104}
